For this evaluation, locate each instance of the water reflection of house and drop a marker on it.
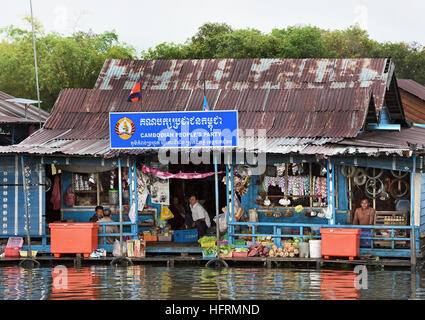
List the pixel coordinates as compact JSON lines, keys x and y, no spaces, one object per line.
{"x":74,"y":284}
{"x":331,"y":125}
{"x":338,"y":285}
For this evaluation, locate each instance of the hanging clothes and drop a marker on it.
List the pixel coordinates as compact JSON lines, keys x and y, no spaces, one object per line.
{"x":55,"y":198}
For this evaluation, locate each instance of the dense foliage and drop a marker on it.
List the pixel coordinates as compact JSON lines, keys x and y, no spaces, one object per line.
{"x":214,"y":40}
{"x":63,"y":62}
{"x":75,"y":61}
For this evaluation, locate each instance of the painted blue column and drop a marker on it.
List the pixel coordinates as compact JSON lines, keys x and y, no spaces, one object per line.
{"x":229,"y":227}
{"x":136,"y":231}
{"x":120,"y":201}
{"x":232,"y":201}
{"x":412,"y":213}
{"x":216,"y":203}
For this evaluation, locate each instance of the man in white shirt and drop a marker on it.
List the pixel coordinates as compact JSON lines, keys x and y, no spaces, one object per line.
{"x":201,"y":219}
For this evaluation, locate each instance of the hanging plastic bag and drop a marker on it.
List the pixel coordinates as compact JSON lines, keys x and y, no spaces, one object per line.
{"x":166,"y":213}
{"x":116,"y":249}
{"x":222,"y":222}
{"x":132,"y":214}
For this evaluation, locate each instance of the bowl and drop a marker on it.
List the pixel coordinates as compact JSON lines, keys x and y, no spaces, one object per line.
{"x":24,"y":253}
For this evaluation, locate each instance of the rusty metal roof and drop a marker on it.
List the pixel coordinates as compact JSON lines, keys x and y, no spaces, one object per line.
{"x":389,"y":139}
{"x":302,"y":103}
{"x":238,"y":74}
{"x":17,"y":110}
{"x":412,"y":87}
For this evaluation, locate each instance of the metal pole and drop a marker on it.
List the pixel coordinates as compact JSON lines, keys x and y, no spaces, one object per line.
{"x":27,"y":219}
{"x":35,"y":63}
{"x":216,"y":204}
{"x":412,"y":215}
{"x":120,"y":200}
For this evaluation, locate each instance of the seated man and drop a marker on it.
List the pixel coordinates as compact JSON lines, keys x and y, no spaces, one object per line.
{"x":201,"y":219}
{"x":98,"y":214}
{"x":109,"y":229}
{"x":365,"y":215}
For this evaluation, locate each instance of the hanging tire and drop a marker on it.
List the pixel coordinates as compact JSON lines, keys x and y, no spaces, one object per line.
{"x":396,"y":194}
{"x":360,"y":177}
{"x":399,"y":175}
{"x":371,"y":183}
{"x":377,"y":176}
{"x":348,"y":171}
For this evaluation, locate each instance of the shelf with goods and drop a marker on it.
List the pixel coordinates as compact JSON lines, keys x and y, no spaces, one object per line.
{"x":290,"y":185}
{"x":147,"y":218}
{"x":391,"y":218}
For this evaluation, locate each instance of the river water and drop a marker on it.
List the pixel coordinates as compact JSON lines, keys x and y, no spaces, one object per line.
{"x":152,"y":282}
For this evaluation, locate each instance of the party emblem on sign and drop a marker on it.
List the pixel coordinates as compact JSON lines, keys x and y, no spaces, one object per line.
{"x":125,"y":128}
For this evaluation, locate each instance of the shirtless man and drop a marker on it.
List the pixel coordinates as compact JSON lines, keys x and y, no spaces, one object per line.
{"x":365,"y":214}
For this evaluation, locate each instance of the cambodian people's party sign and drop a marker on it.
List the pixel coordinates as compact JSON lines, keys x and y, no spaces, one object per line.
{"x":197,"y":129}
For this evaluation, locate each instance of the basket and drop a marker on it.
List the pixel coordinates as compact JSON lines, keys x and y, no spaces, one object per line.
{"x":11,"y":252}
{"x":165,"y":238}
{"x":17,"y":242}
{"x":208,"y":256}
{"x":150,"y":238}
{"x":190,"y":235}
{"x":208,"y":244}
{"x":24,"y":253}
{"x":229,"y":255}
{"x":240,"y":242}
{"x":240,"y":254}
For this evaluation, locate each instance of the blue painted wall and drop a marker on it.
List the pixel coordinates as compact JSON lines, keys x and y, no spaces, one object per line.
{"x":422,"y":201}
{"x":10,"y":170}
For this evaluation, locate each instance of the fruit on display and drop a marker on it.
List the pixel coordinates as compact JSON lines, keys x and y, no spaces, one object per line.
{"x":258,"y":250}
{"x":289,"y":249}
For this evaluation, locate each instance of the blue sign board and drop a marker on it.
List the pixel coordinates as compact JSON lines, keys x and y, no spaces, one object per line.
{"x":193,"y":129}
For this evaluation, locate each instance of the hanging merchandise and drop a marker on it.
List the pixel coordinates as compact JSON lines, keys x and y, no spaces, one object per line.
{"x":55,"y":198}
{"x":142,"y":189}
{"x":160,"y":192}
{"x":180,"y":175}
{"x":166,"y":213}
{"x":132,"y":214}
{"x":348,"y":171}
{"x":280,"y":170}
{"x":399,"y":174}
{"x":373,"y":173}
{"x":399,"y":188}
{"x":374,"y":187}
{"x":360,"y":177}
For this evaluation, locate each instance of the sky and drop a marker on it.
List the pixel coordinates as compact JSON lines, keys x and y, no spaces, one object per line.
{"x":145,"y":24}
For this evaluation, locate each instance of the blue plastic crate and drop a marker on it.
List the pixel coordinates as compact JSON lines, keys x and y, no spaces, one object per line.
{"x":208,"y":256}
{"x":365,"y":243}
{"x":190,"y":235}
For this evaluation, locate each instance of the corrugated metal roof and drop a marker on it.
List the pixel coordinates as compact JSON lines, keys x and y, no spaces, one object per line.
{"x":303,"y":104}
{"x":389,"y":139}
{"x":412,"y":87}
{"x":251,"y":74}
{"x":17,"y":110}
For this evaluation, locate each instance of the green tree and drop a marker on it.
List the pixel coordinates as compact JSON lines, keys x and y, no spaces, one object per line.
{"x":63,"y":62}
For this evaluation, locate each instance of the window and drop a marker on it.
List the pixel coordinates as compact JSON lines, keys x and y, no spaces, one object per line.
{"x":92,"y":189}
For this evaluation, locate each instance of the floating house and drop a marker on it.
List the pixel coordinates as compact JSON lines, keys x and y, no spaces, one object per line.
{"x":334,"y":132}
{"x":18,"y":120}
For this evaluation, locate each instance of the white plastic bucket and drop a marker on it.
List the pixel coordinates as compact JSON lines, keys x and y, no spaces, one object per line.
{"x":315,"y":248}
{"x":304,"y":249}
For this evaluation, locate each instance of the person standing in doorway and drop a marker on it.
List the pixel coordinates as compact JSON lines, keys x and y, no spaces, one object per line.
{"x":201,"y":219}
{"x":365,"y":215}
